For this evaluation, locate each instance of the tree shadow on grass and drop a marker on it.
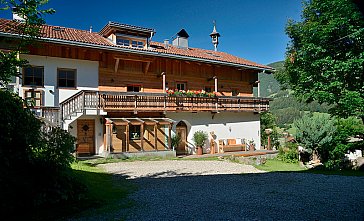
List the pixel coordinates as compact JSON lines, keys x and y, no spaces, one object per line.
{"x":103,"y":193}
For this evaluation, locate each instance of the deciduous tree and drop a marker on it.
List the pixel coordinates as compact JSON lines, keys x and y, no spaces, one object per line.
{"x":325,"y":58}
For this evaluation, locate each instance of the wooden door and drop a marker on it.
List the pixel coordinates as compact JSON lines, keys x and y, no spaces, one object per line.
{"x":182,"y":132}
{"x":86,"y":136}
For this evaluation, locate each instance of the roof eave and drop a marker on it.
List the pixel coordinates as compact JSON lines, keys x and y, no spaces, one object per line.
{"x":143,"y":52}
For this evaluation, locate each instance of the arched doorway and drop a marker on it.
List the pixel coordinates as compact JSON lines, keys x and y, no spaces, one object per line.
{"x":181,"y":131}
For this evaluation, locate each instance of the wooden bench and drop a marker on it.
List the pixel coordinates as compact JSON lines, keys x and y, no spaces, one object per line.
{"x":230,"y":146}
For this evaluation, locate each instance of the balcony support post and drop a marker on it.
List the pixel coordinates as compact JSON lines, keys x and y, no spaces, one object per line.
{"x":164,"y":81}
{"x":127,"y":138}
{"x":142,"y":136}
{"x":155,"y":138}
{"x":169,"y":136}
{"x":135,"y":104}
{"x":215,"y":79}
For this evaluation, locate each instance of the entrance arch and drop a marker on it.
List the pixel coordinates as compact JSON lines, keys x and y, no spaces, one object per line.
{"x":181,"y":131}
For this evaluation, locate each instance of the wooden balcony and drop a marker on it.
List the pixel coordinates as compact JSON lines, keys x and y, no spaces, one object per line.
{"x":160,"y":102}
{"x":149,"y":102}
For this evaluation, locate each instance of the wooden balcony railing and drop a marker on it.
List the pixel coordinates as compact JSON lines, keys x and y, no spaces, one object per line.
{"x":151,"y":102}
{"x":141,"y":102}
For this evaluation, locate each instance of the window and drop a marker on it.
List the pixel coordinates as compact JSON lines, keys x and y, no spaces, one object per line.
{"x":33,"y":76}
{"x":134,"y":88}
{"x":208,"y":89}
{"x":66,"y":78}
{"x":33,"y":98}
{"x":137,"y":44}
{"x":114,"y":129}
{"x":181,"y":86}
{"x":234,"y":92}
{"x":134,"y":132}
{"x":122,"y":41}
{"x":129,"y":42}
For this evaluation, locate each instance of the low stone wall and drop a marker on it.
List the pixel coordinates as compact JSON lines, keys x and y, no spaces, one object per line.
{"x":253,"y":160}
{"x":162,"y":154}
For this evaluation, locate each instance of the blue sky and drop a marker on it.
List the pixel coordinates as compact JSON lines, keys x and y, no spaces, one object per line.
{"x":251,"y":29}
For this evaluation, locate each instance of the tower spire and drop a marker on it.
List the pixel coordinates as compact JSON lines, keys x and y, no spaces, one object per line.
{"x":215,"y":36}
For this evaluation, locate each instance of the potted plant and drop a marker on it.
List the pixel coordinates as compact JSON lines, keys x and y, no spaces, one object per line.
{"x":175,"y":141}
{"x":199,"y":138}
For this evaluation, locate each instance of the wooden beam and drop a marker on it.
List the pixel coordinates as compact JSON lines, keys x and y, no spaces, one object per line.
{"x":169,"y":136}
{"x":127,"y":138}
{"x":142,"y":136}
{"x":116,"y":65}
{"x":155,"y":137}
{"x":133,"y":59}
{"x":146,"y":67}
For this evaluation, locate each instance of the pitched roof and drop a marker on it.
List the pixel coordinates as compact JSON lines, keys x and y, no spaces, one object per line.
{"x":75,"y":36}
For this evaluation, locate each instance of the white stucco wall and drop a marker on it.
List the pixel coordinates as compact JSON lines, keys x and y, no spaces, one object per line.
{"x":225,"y":125}
{"x":99,"y":136}
{"x":87,"y":77}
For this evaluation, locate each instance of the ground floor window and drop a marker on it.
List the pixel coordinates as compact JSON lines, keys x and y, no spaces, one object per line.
{"x":134,"y":132}
{"x":33,"y":98}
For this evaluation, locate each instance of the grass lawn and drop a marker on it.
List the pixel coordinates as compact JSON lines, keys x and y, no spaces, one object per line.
{"x":275,"y":165}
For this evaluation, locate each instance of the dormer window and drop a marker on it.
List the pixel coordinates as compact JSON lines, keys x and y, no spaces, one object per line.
{"x":129,"y":42}
{"x":122,"y":41}
{"x":127,"y":35}
{"x":137,"y":44}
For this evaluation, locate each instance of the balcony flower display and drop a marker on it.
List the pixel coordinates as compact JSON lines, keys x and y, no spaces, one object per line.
{"x":190,"y":93}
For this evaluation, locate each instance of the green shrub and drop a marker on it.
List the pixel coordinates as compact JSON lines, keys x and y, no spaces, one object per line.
{"x":34,"y":165}
{"x":289,"y":153}
{"x":175,"y":140}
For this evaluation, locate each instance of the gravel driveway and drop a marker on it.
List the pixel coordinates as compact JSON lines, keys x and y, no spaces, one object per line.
{"x":216,"y":190}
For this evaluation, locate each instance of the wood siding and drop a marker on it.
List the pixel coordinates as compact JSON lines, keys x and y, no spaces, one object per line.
{"x":119,"y":140}
{"x":146,"y":70}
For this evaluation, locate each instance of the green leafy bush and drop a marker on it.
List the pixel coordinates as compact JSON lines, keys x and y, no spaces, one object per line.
{"x":34,"y":165}
{"x":175,"y":140}
{"x":334,"y":156}
{"x":289,"y":153}
{"x":316,"y":133}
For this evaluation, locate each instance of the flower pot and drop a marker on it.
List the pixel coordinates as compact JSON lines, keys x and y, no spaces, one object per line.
{"x":199,"y":151}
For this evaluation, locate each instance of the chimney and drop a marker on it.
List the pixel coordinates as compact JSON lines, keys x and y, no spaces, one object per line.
{"x":166,"y":43}
{"x":91,"y":29}
{"x":181,"y":39}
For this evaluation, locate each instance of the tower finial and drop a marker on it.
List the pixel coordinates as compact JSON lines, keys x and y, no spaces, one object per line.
{"x":215,"y":36}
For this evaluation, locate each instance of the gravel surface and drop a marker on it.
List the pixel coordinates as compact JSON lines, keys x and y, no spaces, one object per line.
{"x":215,"y":190}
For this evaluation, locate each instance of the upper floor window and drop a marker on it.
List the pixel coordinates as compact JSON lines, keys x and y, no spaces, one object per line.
{"x":66,"y":78}
{"x":181,"y":86}
{"x":122,"y":41}
{"x":134,"y":88}
{"x":137,"y":44}
{"x":129,"y":42}
{"x":33,"y":76}
{"x":208,"y":89}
